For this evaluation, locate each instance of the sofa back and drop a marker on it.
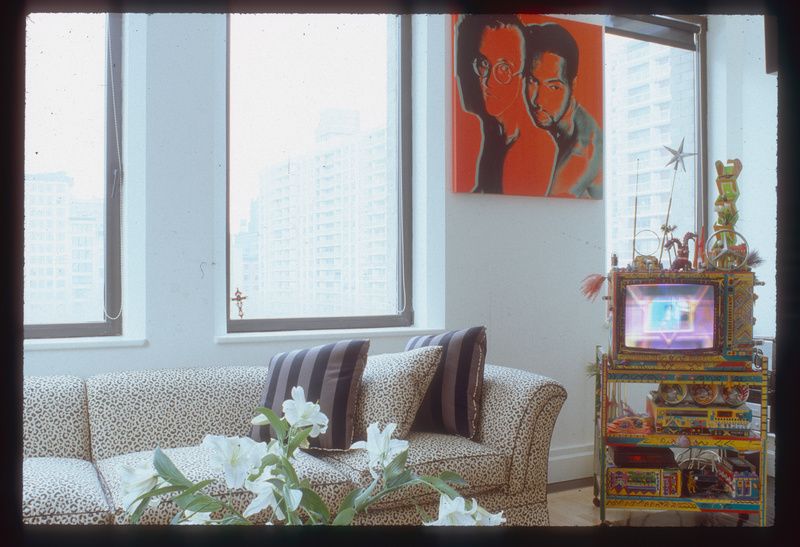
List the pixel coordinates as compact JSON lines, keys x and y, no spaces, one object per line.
{"x":140,"y":410}
{"x":55,"y":420}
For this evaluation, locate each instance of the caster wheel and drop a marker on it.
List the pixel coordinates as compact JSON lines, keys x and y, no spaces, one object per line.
{"x":605,"y":524}
{"x":596,"y":502}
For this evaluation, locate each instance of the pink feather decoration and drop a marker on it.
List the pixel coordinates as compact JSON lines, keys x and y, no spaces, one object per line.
{"x":591,"y":285}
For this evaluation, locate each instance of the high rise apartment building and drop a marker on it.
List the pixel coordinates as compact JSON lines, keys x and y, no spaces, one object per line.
{"x":321,"y":238}
{"x":64,"y":237}
{"x":649,"y":104}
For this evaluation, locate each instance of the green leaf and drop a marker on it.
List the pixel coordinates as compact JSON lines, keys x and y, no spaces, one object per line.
{"x":344,"y":517}
{"x":177,"y":518}
{"x":181,"y":499}
{"x":278,"y":424}
{"x":423,"y":514}
{"x":234,"y":519}
{"x":396,"y":466}
{"x":440,"y":485}
{"x":159,"y":491}
{"x":269,"y":459}
{"x":167,"y":469}
{"x":137,"y":513}
{"x":349,"y":499}
{"x":289,"y":471}
{"x":311,"y":502}
{"x":399,"y":480}
{"x":201,"y":503}
{"x":363,"y":499}
{"x":192,"y":501}
{"x":298,"y":438}
{"x":453,"y":478}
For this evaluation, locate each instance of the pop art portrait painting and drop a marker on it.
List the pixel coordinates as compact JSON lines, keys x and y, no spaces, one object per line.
{"x":527,"y":106}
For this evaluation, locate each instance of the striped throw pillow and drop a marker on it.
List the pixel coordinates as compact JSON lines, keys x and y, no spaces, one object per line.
{"x":452,"y":402}
{"x":330,"y":375}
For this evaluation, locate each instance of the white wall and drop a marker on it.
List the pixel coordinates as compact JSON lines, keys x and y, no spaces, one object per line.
{"x":513,"y":264}
{"x":742,"y":123}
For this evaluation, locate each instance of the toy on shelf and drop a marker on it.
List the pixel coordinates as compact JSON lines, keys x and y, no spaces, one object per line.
{"x":692,"y":419}
{"x":725,"y":253}
{"x":633,"y":425}
{"x":738,"y":477}
{"x":681,"y":261}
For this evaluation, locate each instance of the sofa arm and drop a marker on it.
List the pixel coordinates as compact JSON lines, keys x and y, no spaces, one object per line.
{"x":518,"y":413}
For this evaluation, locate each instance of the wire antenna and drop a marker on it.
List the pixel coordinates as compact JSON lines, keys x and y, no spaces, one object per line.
{"x":635,"y":209}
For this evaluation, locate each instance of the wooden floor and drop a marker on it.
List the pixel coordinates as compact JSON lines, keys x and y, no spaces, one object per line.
{"x":574,"y":506}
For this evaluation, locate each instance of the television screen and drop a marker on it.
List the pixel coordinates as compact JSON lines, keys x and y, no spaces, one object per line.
{"x":669,"y":316}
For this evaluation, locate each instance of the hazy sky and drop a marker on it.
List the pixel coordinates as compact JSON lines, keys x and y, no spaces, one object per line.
{"x":65,"y":97}
{"x":285,"y":69}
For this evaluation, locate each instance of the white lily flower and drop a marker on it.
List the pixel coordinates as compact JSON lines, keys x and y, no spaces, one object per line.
{"x":136,"y":480}
{"x":265,"y":497}
{"x":453,"y":512}
{"x":380,"y":447}
{"x":293,"y":498}
{"x":192,"y":517}
{"x":485,"y":518}
{"x":300,"y":413}
{"x":236,"y":456}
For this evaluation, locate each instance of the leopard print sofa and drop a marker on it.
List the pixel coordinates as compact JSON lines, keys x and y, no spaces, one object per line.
{"x":77,"y":434}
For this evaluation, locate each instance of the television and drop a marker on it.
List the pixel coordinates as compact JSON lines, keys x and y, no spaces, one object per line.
{"x":676,"y":319}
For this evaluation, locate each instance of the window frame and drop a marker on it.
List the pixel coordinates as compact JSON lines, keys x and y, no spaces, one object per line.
{"x":113,"y":229}
{"x":686,"y":32}
{"x":405,"y":316}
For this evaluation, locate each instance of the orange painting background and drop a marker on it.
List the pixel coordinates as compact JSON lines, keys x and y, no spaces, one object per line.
{"x":588,"y":91}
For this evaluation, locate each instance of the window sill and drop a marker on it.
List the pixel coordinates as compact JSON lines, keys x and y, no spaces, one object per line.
{"x":91,"y":342}
{"x":332,"y":334}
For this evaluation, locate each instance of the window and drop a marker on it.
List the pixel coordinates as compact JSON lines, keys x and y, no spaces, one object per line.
{"x":72,"y":284}
{"x":636,"y":135}
{"x":318,"y":171}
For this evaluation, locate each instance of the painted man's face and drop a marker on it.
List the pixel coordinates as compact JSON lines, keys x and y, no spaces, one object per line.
{"x":547,"y":90}
{"x":498,"y":66}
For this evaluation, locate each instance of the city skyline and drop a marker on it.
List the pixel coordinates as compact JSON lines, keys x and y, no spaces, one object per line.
{"x":321,"y":234}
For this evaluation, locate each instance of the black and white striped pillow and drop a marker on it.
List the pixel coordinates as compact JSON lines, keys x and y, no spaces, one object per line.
{"x":452,"y":402}
{"x":330,"y":375}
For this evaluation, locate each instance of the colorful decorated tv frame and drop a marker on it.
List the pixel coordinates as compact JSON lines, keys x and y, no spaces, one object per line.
{"x":681,"y":319}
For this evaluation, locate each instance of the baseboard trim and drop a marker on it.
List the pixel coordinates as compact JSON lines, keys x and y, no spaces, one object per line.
{"x":570,"y":485}
{"x":570,"y":463}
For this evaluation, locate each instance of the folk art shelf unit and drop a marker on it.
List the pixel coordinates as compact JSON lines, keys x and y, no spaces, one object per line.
{"x":688,"y":328}
{"x":754,"y":441}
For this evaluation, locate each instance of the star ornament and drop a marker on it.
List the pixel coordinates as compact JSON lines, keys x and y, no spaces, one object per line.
{"x":678,"y":155}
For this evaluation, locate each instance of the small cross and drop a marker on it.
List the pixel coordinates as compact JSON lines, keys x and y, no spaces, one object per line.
{"x":240,"y":298}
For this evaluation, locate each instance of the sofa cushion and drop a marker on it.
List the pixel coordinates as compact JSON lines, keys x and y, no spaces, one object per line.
{"x":62,"y":491}
{"x":392,"y":389}
{"x":195,"y":463}
{"x":452,"y":402}
{"x":481,"y":466}
{"x":55,"y":419}
{"x":139,"y":410}
{"x":330,"y":375}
